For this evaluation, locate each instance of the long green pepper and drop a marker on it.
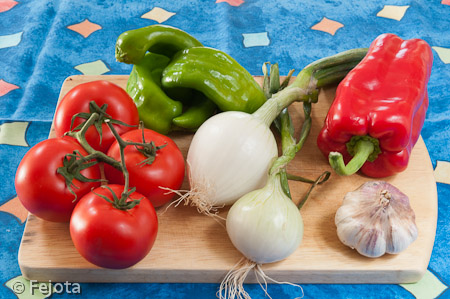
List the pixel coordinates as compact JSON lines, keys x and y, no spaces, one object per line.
{"x":177,"y":83}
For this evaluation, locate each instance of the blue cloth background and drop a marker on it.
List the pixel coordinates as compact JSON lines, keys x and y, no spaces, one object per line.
{"x":48,"y":52}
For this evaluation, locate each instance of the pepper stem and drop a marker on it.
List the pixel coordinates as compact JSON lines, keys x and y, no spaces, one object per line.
{"x":362,"y":150}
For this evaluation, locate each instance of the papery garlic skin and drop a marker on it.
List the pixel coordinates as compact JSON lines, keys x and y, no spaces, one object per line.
{"x":376,"y":219}
{"x":265,"y":225}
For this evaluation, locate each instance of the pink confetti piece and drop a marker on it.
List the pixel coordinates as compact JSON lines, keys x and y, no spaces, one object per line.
{"x":445,"y":2}
{"x":85,"y":28}
{"x":6,"y":5}
{"x":328,"y":26}
{"x":231,"y":2}
{"x":6,"y":87}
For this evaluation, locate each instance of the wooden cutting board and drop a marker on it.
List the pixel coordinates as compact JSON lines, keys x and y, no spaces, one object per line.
{"x":195,"y":248}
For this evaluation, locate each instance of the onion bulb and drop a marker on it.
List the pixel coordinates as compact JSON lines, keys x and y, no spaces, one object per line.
{"x":265,"y":225}
{"x":229,"y":156}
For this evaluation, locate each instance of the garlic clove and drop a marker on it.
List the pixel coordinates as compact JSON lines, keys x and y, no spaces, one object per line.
{"x":376,"y":219}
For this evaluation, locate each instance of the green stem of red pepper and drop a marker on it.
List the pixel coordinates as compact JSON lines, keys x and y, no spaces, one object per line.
{"x":362,"y":148}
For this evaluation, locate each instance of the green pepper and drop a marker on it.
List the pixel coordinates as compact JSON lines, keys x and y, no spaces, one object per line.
{"x":162,"y":110}
{"x":217,"y":75}
{"x":155,"y":108}
{"x":132,"y":45}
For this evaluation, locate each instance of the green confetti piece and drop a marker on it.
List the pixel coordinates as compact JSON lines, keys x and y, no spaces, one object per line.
{"x":26,"y":289}
{"x":444,"y":54}
{"x":428,"y":287}
{"x":93,"y":68}
{"x":13,"y":133}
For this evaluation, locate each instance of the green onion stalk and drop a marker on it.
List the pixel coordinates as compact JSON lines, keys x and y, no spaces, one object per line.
{"x":265,"y":225}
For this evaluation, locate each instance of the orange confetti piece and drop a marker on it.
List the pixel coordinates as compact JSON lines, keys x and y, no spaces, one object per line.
{"x":15,"y":207}
{"x":445,"y":2}
{"x":327,"y":25}
{"x":85,"y":28}
{"x":231,"y":2}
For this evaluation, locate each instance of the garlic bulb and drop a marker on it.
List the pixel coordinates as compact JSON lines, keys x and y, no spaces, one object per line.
{"x":376,"y":219}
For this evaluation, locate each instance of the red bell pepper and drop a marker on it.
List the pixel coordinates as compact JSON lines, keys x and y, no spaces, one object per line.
{"x":379,"y":109}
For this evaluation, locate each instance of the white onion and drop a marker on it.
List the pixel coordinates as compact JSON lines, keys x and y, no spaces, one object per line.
{"x":265,"y":225}
{"x":229,"y":156}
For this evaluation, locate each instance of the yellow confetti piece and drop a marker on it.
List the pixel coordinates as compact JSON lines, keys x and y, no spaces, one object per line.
{"x":442,"y":172}
{"x":85,"y":28}
{"x":428,"y":287}
{"x":93,"y":68}
{"x":327,"y":25}
{"x":158,"y":14}
{"x":393,"y":12}
{"x":13,"y":133}
{"x":444,"y":54}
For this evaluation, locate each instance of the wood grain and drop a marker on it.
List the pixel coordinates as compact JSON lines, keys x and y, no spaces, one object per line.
{"x":194,"y":248}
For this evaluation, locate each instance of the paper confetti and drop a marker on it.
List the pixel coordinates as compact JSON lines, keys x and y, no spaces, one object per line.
{"x":444,"y":54}
{"x":393,"y":12}
{"x":93,"y":68}
{"x":428,"y":287}
{"x":231,"y":2}
{"x":6,"y":5}
{"x":15,"y":207}
{"x":85,"y":28}
{"x":442,"y":172}
{"x":11,"y":40}
{"x":13,"y":133}
{"x":6,"y":87}
{"x":24,"y":289}
{"x":445,"y":2}
{"x":327,"y":25}
{"x":158,"y":14}
{"x":256,"y":39}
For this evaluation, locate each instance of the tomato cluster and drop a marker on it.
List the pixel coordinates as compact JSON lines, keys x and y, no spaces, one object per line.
{"x":113,"y":223}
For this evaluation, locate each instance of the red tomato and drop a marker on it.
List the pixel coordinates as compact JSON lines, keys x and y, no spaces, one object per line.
{"x":109,"y":237}
{"x":167,"y":170}
{"x":120,"y":107}
{"x":42,"y":191}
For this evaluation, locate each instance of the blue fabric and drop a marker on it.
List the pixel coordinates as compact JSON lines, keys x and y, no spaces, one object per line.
{"x":47,"y":52}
